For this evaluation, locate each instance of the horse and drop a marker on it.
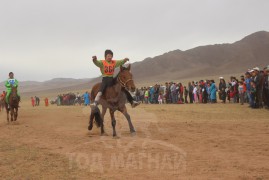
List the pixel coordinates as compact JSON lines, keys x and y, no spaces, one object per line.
{"x":13,"y":105}
{"x":2,"y":103}
{"x":113,"y":99}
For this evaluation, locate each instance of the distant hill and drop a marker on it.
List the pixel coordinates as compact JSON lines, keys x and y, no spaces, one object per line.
{"x":51,"y":85}
{"x":210,"y":60}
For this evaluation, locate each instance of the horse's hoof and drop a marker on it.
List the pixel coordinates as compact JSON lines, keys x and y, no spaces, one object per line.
{"x":133,"y":133}
{"x":116,"y":137}
{"x":104,"y":134}
{"x":90,"y":127}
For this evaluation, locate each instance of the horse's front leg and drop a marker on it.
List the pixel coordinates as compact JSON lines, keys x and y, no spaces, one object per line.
{"x":123,"y":110}
{"x":7,"y":115}
{"x":16,"y":114}
{"x":113,"y":122}
{"x":12,"y":114}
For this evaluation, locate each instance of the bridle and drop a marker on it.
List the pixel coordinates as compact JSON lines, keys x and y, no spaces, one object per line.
{"x":123,"y":84}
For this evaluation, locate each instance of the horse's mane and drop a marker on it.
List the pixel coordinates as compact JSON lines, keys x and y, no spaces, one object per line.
{"x":116,"y":77}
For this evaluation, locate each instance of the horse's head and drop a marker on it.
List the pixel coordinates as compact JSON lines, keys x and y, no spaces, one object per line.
{"x":13,"y":93}
{"x":125,"y":78}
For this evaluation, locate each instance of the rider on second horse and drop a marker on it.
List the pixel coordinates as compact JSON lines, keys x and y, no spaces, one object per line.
{"x":11,"y":82}
{"x":107,"y":68}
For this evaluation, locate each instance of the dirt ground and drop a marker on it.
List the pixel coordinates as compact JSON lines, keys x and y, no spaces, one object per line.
{"x":212,"y":141}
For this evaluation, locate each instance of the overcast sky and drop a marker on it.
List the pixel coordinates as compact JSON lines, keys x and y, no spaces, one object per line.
{"x":41,"y":40}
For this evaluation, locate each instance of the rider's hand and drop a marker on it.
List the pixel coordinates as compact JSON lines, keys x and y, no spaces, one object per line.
{"x":94,"y":58}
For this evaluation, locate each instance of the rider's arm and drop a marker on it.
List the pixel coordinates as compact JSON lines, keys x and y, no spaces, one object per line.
{"x":16,"y":84}
{"x":121,"y":62}
{"x":98,"y":63}
{"x":7,"y":84}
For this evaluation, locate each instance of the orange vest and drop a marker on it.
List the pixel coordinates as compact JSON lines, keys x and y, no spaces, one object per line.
{"x":109,"y":68}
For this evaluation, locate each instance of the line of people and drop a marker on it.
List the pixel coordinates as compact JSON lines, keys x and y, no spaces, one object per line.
{"x":252,"y":88}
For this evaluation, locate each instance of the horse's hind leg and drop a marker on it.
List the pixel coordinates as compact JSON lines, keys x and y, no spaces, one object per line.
{"x":127,"y":116}
{"x":91,"y":121}
{"x":103,"y":116}
{"x":113,"y":122}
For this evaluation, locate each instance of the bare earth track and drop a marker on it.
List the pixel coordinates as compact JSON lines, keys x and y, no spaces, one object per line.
{"x":173,"y":142}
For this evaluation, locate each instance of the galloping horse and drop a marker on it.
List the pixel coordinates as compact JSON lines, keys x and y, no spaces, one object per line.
{"x":13,"y":105}
{"x":113,"y":99}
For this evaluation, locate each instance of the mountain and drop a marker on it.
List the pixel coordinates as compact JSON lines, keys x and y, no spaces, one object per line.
{"x":218,"y":59}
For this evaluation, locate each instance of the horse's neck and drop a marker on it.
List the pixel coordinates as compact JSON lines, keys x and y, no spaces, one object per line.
{"x":114,"y":91}
{"x":117,"y":87}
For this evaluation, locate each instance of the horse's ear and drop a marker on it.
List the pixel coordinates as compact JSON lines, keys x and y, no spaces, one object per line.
{"x":129,"y":67}
{"x":121,"y":68}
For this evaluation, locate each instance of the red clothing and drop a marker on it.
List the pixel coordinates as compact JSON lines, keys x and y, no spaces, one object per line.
{"x":33,"y":102}
{"x":46,"y":102}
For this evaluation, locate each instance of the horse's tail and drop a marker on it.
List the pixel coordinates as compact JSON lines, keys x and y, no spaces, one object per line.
{"x":96,"y":116}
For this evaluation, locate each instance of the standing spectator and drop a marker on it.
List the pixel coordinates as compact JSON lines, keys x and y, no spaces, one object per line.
{"x":137,"y":94}
{"x":195,"y":94}
{"x":142,"y":94}
{"x":190,"y":87}
{"x":173,"y":93}
{"x":234,"y":93}
{"x":213,"y":91}
{"x":247,"y":82}
{"x":160,"y":98}
{"x":33,"y":101}
{"x":228,"y":93}
{"x":46,"y":102}
{"x":186,"y":93}
{"x":253,"y":94}
{"x":168,"y":93}
{"x":222,"y":88}
{"x":146,"y":96}
{"x":86,"y":97}
{"x":151,"y":94}
{"x":266,"y":86}
{"x":258,"y":84}
{"x":204,"y":92}
{"x":241,"y":92}
{"x":181,"y":92}
{"x":156,"y":93}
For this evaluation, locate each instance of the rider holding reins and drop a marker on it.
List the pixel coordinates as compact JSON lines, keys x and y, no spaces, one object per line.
{"x":11,"y":82}
{"x":107,"y":68}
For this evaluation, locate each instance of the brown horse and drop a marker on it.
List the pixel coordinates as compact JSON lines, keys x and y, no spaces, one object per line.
{"x":13,"y":105}
{"x":113,"y":99}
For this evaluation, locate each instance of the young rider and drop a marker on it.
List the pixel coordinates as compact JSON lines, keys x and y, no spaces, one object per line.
{"x":107,"y":68}
{"x":11,"y":82}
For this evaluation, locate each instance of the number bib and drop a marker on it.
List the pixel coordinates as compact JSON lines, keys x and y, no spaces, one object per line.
{"x":109,"y":68}
{"x":11,"y":81}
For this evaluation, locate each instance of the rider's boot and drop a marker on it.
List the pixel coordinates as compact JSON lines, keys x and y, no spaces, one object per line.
{"x":96,"y":100}
{"x":135,"y":103}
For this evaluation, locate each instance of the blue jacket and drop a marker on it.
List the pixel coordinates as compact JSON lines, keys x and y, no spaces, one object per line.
{"x":213,"y":91}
